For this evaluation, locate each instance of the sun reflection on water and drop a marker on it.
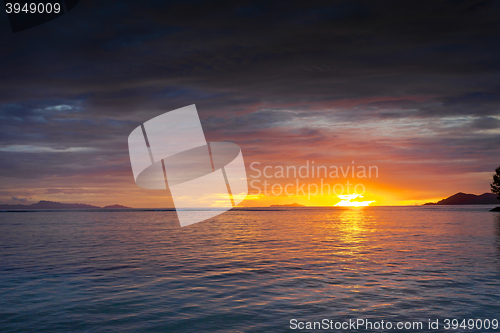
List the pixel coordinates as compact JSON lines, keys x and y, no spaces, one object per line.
{"x":352,"y":225}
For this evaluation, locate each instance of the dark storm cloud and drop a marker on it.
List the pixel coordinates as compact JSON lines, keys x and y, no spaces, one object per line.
{"x":121,"y":56}
{"x":264,"y":74}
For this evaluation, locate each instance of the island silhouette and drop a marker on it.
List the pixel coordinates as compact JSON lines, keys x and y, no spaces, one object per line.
{"x":467,"y":199}
{"x":43,"y":204}
{"x":289,"y":205}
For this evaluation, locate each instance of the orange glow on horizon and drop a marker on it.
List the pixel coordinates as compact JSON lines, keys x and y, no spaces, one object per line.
{"x":382,"y":193}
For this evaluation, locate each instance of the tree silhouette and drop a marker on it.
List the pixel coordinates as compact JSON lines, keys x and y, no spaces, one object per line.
{"x":495,"y":186}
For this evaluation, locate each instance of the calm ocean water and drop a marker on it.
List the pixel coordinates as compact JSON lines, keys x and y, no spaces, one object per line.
{"x":246,"y":271}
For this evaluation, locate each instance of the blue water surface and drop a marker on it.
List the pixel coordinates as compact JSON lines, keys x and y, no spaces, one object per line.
{"x":247,"y":270}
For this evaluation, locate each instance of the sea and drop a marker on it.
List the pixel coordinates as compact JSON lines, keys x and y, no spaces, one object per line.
{"x":252,"y":270}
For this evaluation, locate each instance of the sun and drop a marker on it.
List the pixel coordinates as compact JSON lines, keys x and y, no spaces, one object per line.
{"x":345,"y":201}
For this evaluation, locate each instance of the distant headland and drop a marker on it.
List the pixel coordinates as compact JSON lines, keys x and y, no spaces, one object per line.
{"x":289,"y":205}
{"x":116,"y":206}
{"x":43,"y":204}
{"x":468,"y":199}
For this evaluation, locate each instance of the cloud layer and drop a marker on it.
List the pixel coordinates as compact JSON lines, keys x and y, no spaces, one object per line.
{"x":409,"y":86}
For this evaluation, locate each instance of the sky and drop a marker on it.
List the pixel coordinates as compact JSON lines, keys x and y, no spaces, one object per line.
{"x":411,"y":87}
